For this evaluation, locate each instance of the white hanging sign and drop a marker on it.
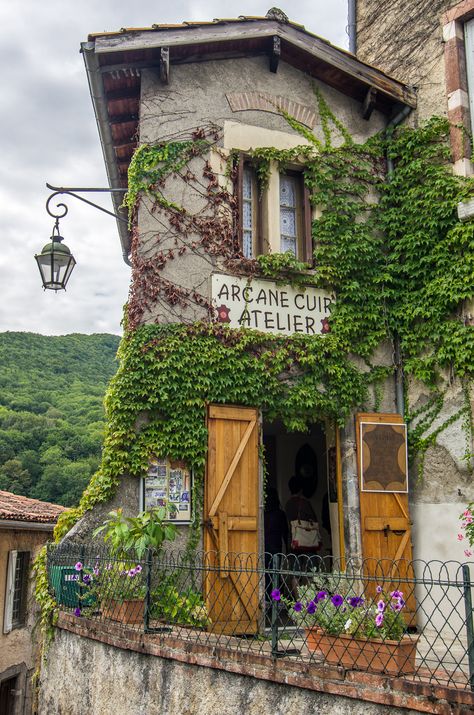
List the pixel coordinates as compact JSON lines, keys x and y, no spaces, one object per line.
{"x":270,"y":307}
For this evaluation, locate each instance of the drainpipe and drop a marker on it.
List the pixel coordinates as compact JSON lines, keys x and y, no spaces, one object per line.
{"x":352,"y":25}
{"x":399,"y":397}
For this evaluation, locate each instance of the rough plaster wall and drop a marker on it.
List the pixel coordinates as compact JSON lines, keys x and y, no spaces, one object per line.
{"x":404,"y":39}
{"x":195,"y":97}
{"x":440,"y":495}
{"x":126,"y":498}
{"x":98,"y":679}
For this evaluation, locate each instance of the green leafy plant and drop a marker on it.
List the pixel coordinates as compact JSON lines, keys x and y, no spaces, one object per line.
{"x":136,"y":534}
{"x":184,"y":607}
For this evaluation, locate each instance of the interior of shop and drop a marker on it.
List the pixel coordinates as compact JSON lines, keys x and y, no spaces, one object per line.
{"x":304,"y":456}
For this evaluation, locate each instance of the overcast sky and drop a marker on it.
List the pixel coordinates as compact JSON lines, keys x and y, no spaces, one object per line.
{"x":48,"y":133}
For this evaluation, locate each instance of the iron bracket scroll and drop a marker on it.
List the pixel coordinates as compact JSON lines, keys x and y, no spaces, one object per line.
{"x":75,"y":191}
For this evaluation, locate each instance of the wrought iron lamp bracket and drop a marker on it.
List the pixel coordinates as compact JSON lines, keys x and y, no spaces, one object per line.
{"x":74,"y":191}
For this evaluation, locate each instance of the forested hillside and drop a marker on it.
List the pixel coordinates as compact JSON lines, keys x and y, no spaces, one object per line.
{"x":51,"y":412}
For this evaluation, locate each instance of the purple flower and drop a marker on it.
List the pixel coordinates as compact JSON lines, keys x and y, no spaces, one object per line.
{"x":396,"y":606}
{"x":337,"y":600}
{"x":77,"y":611}
{"x":96,"y":571}
{"x":379,"y":589}
{"x":276,"y":595}
{"x":78,"y":566}
{"x":355,"y":601}
{"x":138,"y":568}
{"x":311,"y":608}
{"x":379,"y":619}
{"x":298,"y":606}
{"x":109,"y":567}
{"x":396,"y":594}
{"x":132,"y":573}
{"x":86,"y":579}
{"x":381,"y":606}
{"x":321,"y":595}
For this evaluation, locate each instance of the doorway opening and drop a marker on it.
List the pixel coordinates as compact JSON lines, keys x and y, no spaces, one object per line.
{"x":308,"y":456}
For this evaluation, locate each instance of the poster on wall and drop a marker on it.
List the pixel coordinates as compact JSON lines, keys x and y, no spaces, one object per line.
{"x":168,"y":484}
{"x":383,"y":457}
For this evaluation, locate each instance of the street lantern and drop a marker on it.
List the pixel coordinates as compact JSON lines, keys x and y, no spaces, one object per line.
{"x":55,"y":262}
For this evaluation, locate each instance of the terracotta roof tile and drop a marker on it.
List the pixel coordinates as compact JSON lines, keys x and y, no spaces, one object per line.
{"x":19,"y":508}
{"x":193,"y":23}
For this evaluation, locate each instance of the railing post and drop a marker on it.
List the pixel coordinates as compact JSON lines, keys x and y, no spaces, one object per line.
{"x":80,"y":590}
{"x":466,"y":577}
{"x":274,"y":617}
{"x":149,"y":562}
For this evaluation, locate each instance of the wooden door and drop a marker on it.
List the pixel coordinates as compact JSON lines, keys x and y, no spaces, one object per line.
{"x":231,"y":582}
{"x":384,"y":511}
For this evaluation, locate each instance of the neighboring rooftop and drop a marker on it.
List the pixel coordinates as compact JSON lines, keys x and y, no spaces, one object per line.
{"x":14,"y":507}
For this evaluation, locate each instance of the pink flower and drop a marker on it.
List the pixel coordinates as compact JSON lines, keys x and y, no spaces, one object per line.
{"x":460,"y":537}
{"x":78,"y":566}
{"x":138,"y":568}
{"x":381,"y":606}
{"x":379,"y":619}
{"x":468,"y":553}
{"x":379,"y":589}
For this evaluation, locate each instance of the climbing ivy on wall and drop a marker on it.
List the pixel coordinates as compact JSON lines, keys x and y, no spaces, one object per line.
{"x":393,"y":251}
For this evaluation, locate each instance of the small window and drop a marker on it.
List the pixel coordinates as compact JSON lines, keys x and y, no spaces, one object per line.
{"x":295,"y":217}
{"x":17,"y":590}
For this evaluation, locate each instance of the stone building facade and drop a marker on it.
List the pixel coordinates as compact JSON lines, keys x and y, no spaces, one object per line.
{"x":425,"y":44}
{"x":25,"y":526}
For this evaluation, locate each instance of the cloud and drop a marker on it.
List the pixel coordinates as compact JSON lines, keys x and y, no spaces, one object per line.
{"x":49,"y":133}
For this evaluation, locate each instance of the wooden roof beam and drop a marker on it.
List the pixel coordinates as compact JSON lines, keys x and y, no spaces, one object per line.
{"x":368,"y":105}
{"x":275,"y":53}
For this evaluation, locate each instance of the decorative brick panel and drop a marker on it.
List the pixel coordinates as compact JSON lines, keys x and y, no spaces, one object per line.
{"x":263,"y":102}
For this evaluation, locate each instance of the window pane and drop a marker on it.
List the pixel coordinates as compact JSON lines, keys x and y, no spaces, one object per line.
{"x":247,"y":247}
{"x":287,"y":222}
{"x":248,"y":210}
{"x":287,"y":190}
{"x":288,"y":244}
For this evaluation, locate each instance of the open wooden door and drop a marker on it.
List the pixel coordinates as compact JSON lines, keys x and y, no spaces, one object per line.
{"x":231,"y":583}
{"x":384,"y":512}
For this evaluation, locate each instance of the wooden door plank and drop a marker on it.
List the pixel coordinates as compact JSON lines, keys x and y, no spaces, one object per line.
{"x":226,"y":412}
{"x":223,"y":545}
{"x":231,"y":470}
{"x":380,"y":523}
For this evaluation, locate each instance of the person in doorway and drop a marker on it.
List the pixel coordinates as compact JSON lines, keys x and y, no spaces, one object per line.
{"x":299,"y":509}
{"x":298,"y":506}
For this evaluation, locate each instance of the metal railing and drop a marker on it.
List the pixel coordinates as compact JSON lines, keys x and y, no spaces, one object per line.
{"x":407,"y":619}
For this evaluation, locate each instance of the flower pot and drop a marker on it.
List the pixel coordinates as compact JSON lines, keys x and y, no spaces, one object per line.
{"x":367,"y":654}
{"x":127,"y":611}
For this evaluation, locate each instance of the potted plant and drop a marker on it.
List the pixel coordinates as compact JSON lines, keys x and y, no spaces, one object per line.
{"x":358,"y":633}
{"x":120,"y":585}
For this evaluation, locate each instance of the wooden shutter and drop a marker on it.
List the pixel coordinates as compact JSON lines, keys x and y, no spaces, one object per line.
{"x":231,"y":584}
{"x":385,"y":517}
{"x":9,"y":593}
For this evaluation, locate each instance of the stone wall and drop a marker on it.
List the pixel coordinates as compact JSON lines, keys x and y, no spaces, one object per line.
{"x":99,"y":669}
